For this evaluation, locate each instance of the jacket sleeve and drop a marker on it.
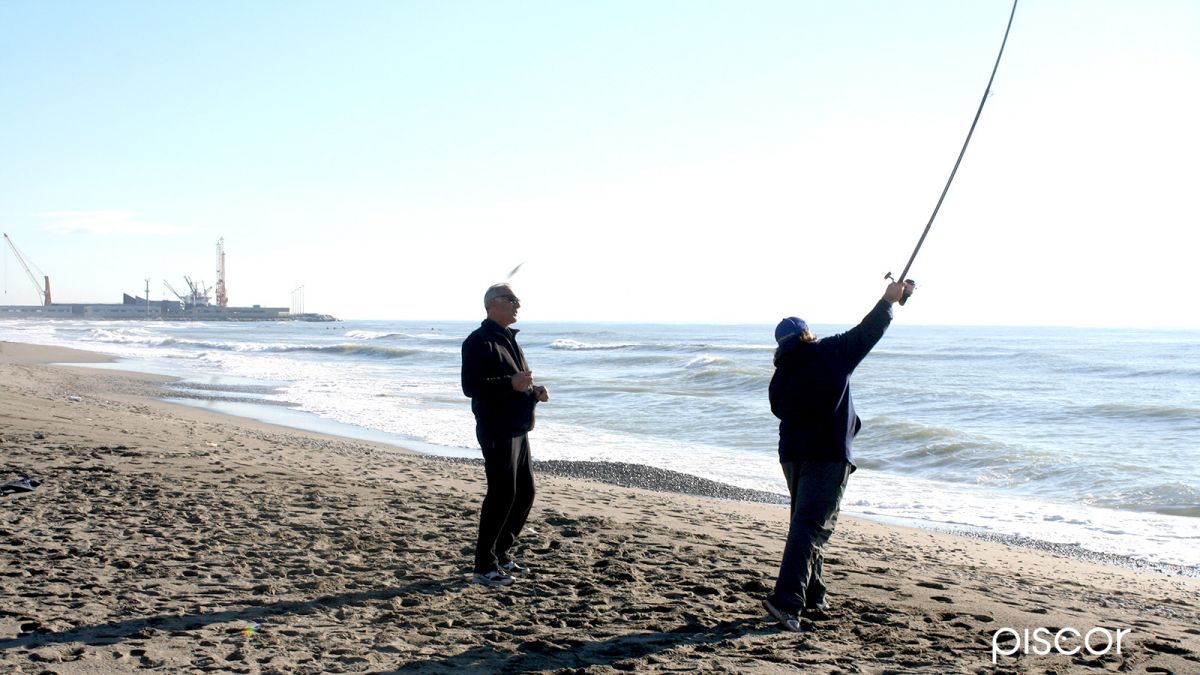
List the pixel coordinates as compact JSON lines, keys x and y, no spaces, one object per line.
{"x":483,"y":372}
{"x":856,"y":343}
{"x":775,"y":393}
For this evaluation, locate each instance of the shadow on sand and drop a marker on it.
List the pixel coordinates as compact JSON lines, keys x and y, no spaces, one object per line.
{"x":542,"y":653}
{"x":537,"y":653}
{"x":119,"y":631}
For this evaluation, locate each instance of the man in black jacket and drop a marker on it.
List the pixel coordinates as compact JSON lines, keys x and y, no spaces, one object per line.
{"x":810,"y":394}
{"x":497,"y":378}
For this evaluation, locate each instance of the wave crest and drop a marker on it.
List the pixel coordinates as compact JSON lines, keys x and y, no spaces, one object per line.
{"x":575,"y":345}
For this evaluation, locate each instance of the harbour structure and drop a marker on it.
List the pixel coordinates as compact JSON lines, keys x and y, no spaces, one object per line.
{"x":195,"y":305}
{"x":222,"y":298}
{"x":43,"y":293}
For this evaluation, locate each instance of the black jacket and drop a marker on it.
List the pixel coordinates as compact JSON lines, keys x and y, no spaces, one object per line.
{"x":810,"y":391}
{"x":490,"y":357}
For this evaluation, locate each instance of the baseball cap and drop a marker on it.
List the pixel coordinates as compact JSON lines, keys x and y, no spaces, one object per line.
{"x":790,"y":327}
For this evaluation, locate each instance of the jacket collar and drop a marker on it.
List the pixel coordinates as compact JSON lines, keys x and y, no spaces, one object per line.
{"x":491,"y":325}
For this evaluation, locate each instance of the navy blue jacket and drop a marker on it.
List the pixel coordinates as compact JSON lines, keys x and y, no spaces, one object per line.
{"x":490,"y":357}
{"x":810,"y":391}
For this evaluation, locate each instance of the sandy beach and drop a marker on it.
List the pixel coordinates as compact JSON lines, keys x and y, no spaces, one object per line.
{"x":172,"y":538}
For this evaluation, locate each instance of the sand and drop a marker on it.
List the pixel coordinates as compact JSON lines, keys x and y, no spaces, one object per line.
{"x":175,"y":539}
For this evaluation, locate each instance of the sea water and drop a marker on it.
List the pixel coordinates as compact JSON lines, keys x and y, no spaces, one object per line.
{"x":1074,"y":436}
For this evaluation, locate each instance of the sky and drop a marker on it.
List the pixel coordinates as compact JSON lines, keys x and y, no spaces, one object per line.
{"x":697,"y":161}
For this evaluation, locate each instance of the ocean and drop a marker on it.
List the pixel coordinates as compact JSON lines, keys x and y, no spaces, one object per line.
{"x":1085,"y":437}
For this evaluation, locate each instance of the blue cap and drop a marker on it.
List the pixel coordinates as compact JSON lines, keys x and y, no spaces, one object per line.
{"x":789,"y":327}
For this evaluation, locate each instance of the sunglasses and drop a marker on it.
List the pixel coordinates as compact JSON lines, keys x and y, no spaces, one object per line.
{"x":510,"y":297}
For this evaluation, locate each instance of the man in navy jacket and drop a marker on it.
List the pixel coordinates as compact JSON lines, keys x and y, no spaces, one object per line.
{"x":810,"y":394}
{"x":498,"y":379}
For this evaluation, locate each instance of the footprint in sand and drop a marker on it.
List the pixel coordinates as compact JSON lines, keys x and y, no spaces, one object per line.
{"x":1167,"y":648}
{"x":875,"y":617}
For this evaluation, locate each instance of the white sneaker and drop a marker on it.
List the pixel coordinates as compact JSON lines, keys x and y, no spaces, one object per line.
{"x":493,"y":578}
{"x":514,"y":567}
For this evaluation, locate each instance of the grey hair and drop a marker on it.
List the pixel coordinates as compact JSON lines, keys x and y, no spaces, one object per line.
{"x":494,"y":291}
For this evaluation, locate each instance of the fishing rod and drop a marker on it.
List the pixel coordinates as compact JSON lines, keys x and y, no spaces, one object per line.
{"x":986,"y":92}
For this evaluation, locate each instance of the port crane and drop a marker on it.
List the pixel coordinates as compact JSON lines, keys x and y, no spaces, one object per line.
{"x":222,"y":297}
{"x":43,"y":294}
{"x":174,"y":292}
{"x":197,"y":293}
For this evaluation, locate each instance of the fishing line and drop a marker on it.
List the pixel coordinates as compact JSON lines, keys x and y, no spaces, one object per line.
{"x":986,"y":92}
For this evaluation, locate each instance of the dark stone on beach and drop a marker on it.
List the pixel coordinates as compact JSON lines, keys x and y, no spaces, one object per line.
{"x":755,"y":586}
{"x":1074,"y":552}
{"x":644,"y":477}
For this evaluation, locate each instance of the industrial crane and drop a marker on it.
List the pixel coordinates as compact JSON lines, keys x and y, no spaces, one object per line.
{"x":199,"y":292}
{"x":173,"y":291}
{"x":222,"y":297}
{"x":43,"y":294}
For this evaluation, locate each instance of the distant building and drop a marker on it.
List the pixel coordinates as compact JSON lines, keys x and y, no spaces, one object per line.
{"x":135,"y":308}
{"x":35,"y":311}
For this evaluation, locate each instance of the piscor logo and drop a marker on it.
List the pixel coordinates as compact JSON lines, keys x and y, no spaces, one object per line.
{"x":1067,"y":641}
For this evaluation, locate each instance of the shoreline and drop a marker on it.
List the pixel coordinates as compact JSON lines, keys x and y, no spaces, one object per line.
{"x":655,"y":479}
{"x":624,"y":474}
{"x":662,"y":480}
{"x":167,"y":537}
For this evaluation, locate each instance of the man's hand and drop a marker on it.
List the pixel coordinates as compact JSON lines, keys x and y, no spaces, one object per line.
{"x":522,"y":381}
{"x":896,"y":290}
{"x":542,"y":393}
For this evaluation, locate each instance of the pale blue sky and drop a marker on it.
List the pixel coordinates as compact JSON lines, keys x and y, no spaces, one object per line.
{"x":675,"y":161}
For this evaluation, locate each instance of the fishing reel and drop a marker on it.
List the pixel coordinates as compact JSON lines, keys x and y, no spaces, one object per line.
{"x":910,"y":285}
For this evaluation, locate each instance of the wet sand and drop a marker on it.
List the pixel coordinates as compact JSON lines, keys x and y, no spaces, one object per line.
{"x":172,"y":538}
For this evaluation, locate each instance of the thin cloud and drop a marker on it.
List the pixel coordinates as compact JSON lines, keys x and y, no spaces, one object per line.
{"x":104,"y":223}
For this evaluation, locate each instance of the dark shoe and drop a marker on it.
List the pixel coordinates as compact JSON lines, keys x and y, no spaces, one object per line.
{"x":514,"y":567}
{"x":26,"y":484}
{"x":818,"y":612}
{"x":789,"y":620}
{"x":820,"y":605}
{"x":493,"y":578}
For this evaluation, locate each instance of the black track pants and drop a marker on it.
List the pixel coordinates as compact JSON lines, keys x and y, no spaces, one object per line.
{"x":509,"y":497}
